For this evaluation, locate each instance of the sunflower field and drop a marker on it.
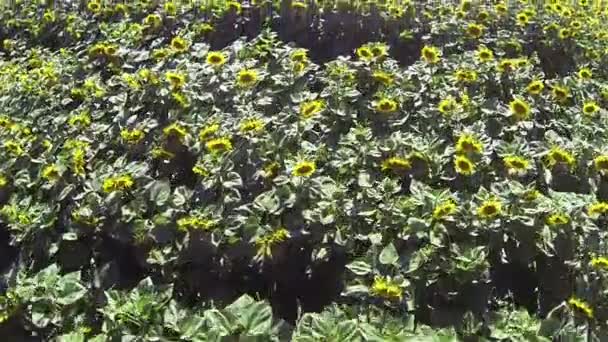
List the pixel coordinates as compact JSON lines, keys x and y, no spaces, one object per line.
{"x":303,"y":170}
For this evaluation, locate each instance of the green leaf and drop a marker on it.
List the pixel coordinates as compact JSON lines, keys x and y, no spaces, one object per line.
{"x":160,"y":191}
{"x":389,"y":255}
{"x":359,"y":268}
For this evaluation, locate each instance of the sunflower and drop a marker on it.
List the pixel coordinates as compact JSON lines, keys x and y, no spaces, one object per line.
{"x":215,"y":58}
{"x":379,"y":50}
{"x":597,"y":209}
{"x":535,"y":87}
{"x":181,"y":99}
{"x":430,"y":54}
{"x":177,"y":80}
{"x":590,"y":108}
{"x":464,"y":165}
{"x":516,"y":164}
{"x":585,"y":74}
{"x":153,"y":20}
{"x":300,"y":55}
{"x":560,"y":93}
{"x":386,"y":289}
{"x":364,"y":53}
{"x":557,"y":156}
{"x":304,"y":169}
{"x":383,"y":77}
{"x":179,"y":44}
{"x":246,"y":78}
{"x":600,"y":263}
{"x":474,"y":30}
{"x":51,"y":173}
{"x":506,"y":65}
{"x":219,"y":145}
{"x":309,"y":109}
{"x":467,"y":143}
{"x":520,"y":109}
{"x":3,"y":181}
{"x":208,"y":131}
{"x":175,"y":130}
{"x":447,"y":106}
{"x":132,"y":136}
{"x":531,"y":195}
{"x":580,"y":307}
{"x":252,"y":126}
{"x":465,"y":76}
{"x":444,"y":209}
{"x":564,"y":33}
{"x":396,"y":165}
{"x":489,"y":209}
{"x":119,"y":183}
{"x":557,"y":219}
{"x":386,"y":106}
{"x":522,"y":19}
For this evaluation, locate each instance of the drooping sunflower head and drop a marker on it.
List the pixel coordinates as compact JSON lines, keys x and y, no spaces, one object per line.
{"x":520,"y":109}
{"x":585,"y":74}
{"x":216,"y":58}
{"x":558,"y":155}
{"x":557,"y":219}
{"x":444,"y":210}
{"x":474,"y":30}
{"x":484,"y":54}
{"x":468,"y":144}
{"x":601,"y":163}
{"x":176,"y":80}
{"x":590,"y":108}
{"x":208,"y":131}
{"x":251,"y":126}
{"x":464,"y":165}
{"x":396,"y":165}
{"x":179,"y":44}
{"x":597,"y":209}
{"x":516,"y":164}
{"x":383,"y":77}
{"x":535,"y":87}
{"x":447,"y":105}
{"x":308,"y":109}
{"x":300,"y":55}
{"x":304,"y":168}
{"x":219,"y":145}
{"x":560,"y":93}
{"x":489,"y":209}
{"x":580,"y":307}
{"x":599,"y":263}
{"x":430,"y":54}
{"x":247,"y":78}
{"x":386,"y":106}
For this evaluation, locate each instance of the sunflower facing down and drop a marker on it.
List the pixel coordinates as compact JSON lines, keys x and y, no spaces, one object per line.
{"x":557,"y":219}
{"x":309,"y":109}
{"x":218,"y":145}
{"x":489,"y":209}
{"x":304,"y":169}
{"x":396,"y":165}
{"x":580,"y":307}
{"x":247,"y":78}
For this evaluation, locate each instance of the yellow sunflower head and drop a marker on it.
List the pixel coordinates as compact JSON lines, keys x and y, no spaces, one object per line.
{"x":175,"y":130}
{"x":599,"y":263}
{"x":516,"y":164}
{"x":489,"y":209}
{"x":590,"y":108}
{"x":585,"y":74}
{"x":308,"y":109}
{"x":219,"y":145}
{"x":179,"y":44}
{"x":304,"y":168}
{"x":383,"y":77}
{"x":535,"y":87}
{"x":447,"y":106}
{"x":51,"y":173}
{"x":597,"y":209}
{"x":522,"y":19}
{"x":474,"y":30}
{"x":467,"y":144}
{"x":208,"y":131}
{"x":247,"y":78}
{"x":560,"y":93}
{"x":580,"y":307}
{"x":176,"y":80}
{"x":559,"y":156}
{"x":364,"y":53}
{"x":396,"y":165}
{"x":520,"y":109}
{"x":430,"y":54}
{"x":300,"y":55}
{"x":252,"y":126}
{"x":444,"y":209}
{"x":557,"y":219}
{"x":386,"y":289}
{"x":386,"y":106}
{"x":464,"y":165}
{"x":215,"y":58}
